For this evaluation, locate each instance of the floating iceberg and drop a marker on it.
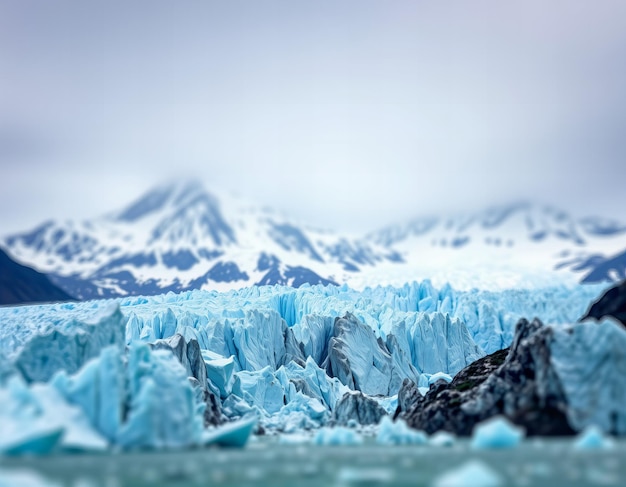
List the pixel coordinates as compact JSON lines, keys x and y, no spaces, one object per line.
{"x":234,"y":434}
{"x":442,"y":439}
{"x":337,"y":436}
{"x":496,"y":432}
{"x":592,"y":438}
{"x":398,"y":433}
{"x":23,"y":478}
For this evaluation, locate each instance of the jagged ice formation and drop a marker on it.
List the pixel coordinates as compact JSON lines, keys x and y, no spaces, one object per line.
{"x":287,"y":355}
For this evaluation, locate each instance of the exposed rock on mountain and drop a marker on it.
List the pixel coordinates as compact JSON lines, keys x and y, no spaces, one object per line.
{"x":612,"y":303}
{"x":20,"y":284}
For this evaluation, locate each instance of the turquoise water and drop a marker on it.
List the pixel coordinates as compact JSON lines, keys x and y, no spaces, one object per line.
{"x":550,"y":463}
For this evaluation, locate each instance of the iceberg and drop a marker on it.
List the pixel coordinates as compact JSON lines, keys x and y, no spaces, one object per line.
{"x":592,"y":438}
{"x":235,"y":434}
{"x":398,"y":433}
{"x":496,"y":432}
{"x":23,"y":478}
{"x":442,"y":439}
{"x":38,"y":440}
{"x":337,"y":436}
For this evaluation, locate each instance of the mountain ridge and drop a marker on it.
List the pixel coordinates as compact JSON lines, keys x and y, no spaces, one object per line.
{"x":179,"y":236}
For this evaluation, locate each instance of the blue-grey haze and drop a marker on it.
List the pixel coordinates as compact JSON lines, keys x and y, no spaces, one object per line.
{"x":346,"y":114}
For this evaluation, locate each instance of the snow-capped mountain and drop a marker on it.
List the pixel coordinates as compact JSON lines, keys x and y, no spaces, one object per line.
{"x":518,"y":245}
{"x":180,"y":236}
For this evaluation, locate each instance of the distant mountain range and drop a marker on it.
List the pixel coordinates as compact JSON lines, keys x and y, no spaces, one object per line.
{"x":180,"y":237}
{"x":21,"y":284}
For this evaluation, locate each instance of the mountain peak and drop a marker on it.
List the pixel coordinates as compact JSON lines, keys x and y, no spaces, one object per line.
{"x":177,"y":193}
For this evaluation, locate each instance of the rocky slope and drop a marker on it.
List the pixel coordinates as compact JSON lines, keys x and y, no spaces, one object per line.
{"x":20,"y":284}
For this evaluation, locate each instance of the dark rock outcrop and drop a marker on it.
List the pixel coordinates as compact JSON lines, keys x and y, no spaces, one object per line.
{"x":407,"y":396}
{"x":519,"y":383}
{"x":189,"y":355}
{"x":605,"y":269}
{"x":359,"y":407}
{"x":20,"y":284}
{"x":612,"y":303}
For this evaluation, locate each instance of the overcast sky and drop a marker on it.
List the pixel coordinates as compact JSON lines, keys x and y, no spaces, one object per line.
{"x":346,"y":114}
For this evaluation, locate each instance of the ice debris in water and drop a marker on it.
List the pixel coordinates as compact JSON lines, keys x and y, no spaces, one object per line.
{"x":235,"y":434}
{"x":398,"y":433}
{"x":442,"y":439}
{"x":294,"y":439}
{"x":496,"y":432}
{"x":24,"y":478}
{"x":337,"y":436}
{"x":473,"y":473}
{"x":592,"y":438}
{"x":364,"y":476}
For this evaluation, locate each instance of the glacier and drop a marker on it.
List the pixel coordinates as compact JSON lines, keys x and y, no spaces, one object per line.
{"x":163,"y":371}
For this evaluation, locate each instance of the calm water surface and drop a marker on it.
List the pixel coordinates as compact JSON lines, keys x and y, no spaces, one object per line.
{"x":264,"y":462}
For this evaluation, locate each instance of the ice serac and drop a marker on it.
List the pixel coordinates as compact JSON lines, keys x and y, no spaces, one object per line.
{"x":431,"y":342}
{"x":99,"y":389}
{"x":145,"y":402}
{"x":163,"y":409}
{"x":359,"y":359}
{"x":67,"y":344}
{"x":189,"y":355}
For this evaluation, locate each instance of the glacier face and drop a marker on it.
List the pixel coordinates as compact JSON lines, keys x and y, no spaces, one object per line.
{"x":139,"y":370}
